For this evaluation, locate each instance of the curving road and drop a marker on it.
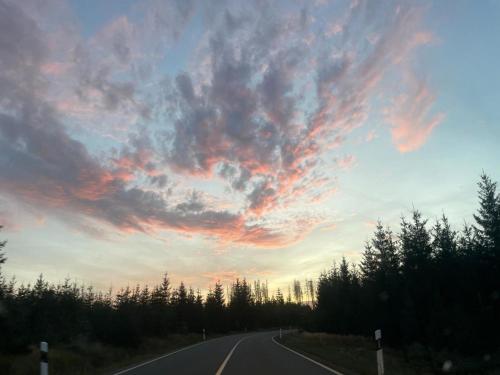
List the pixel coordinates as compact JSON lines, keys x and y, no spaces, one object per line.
{"x":254,"y":353}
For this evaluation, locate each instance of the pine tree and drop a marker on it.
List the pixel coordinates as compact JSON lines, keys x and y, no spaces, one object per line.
{"x":344,"y":273}
{"x":280,"y":300}
{"x":444,"y":242}
{"x":297,"y":291}
{"x":311,"y":291}
{"x":369,"y":264}
{"x":487,"y":235}
{"x":180,"y":296}
{"x":3,"y":285}
{"x":488,"y":218}
{"x":215,"y":309}
{"x":2,"y":256}
{"x":416,"y":246}
{"x":240,"y":304}
{"x":219,"y":295}
{"x":385,"y":251}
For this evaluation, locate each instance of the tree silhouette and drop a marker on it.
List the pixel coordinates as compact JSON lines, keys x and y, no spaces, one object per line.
{"x":2,"y":255}
{"x":488,"y":217}
{"x":215,"y":310}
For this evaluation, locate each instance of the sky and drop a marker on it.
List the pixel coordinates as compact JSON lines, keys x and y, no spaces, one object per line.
{"x":224,"y":139}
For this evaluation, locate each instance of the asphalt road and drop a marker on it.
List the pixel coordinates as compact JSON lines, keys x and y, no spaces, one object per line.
{"x":254,"y":353}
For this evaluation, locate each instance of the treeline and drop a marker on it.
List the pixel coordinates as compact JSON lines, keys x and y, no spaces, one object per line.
{"x":426,"y":284}
{"x":67,"y":312}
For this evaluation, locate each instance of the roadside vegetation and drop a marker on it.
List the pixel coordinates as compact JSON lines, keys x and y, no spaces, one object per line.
{"x":354,"y":355}
{"x":92,"y":358}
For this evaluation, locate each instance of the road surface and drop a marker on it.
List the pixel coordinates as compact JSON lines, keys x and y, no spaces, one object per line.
{"x":254,"y":353}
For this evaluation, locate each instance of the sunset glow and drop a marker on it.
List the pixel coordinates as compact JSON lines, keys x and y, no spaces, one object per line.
{"x":225,"y":139}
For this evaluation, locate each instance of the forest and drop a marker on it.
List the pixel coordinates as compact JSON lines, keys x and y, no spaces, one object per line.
{"x":427,"y":284}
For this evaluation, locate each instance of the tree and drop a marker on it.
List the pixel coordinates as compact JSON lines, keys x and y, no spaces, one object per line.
{"x":444,"y":241}
{"x":215,"y":313}
{"x":2,"y":256}
{"x":297,"y":291}
{"x":161,"y":294}
{"x":311,"y":293}
{"x":488,"y":217}
{"x":386,"y":252}
{"x":280,"y":300}
{"x":180,"y":304}
{"x":466,"y":242}
{"x":487,"y":235}
{"x":369,"y":264}
{"x":416,"y":246}
{"x":3,"y":284}
{"x":241,"y":304}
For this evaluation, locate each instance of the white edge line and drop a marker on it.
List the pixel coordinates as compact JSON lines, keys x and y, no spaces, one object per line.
{"x":226,"y":360}
{"x":309,"y":359}
{"x":158,"y":358}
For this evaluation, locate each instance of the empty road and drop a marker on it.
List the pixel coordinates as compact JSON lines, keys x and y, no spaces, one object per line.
{"x":254,"y":353}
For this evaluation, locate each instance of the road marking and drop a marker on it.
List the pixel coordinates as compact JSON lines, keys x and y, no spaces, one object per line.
{"x":309,"y":359}
{"x":226,"y":360}
{"x":158,"y":358}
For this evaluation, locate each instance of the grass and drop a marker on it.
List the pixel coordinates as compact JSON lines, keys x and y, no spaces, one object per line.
{"x":353,"y":355}
{"x":82,"y":358}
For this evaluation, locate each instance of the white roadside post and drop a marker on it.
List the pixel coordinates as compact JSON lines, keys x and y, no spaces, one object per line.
{"x":204,"y":335}
{"x":280,"y":334}
{"x":44,"y":358}
{"x":380,"y":355}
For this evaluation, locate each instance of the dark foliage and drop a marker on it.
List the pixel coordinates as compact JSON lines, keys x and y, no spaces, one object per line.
{"x":427,"y":284}
{"x":64,"y":313}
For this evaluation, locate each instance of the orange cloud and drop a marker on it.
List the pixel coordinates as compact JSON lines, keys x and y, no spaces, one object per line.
{"x":410,"y":116}
{"x":346,"y":162}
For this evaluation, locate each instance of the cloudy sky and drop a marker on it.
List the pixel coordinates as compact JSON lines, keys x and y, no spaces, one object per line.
{"x":224,"y":139}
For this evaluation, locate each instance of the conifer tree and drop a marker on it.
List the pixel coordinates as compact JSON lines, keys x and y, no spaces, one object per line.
{"x":2,"y":255}
{"x":488,"y":218}
{"x":369,"y":264}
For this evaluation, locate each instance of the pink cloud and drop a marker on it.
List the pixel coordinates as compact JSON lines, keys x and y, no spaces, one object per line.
{"x":410,"y":116}
{"x":224,"y":277}
{"x":346,"y":162}
{"x":372,"y":134}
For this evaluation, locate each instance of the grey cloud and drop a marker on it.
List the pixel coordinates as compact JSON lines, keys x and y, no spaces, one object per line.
{"x":42,"y":165}
{"x":193,"y":204}
{"x":226,"y":123}
{"x":114,"y":94}
{"x":261,"y":191}
{"x":242,"y":117}
{"x":160,"y":180}
{"x":239,"y":177}
{"x":185,"y":87}
{"x":121,"y":48}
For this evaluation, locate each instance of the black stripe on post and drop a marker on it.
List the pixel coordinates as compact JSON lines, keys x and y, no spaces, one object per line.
{"x":378,"y":338}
